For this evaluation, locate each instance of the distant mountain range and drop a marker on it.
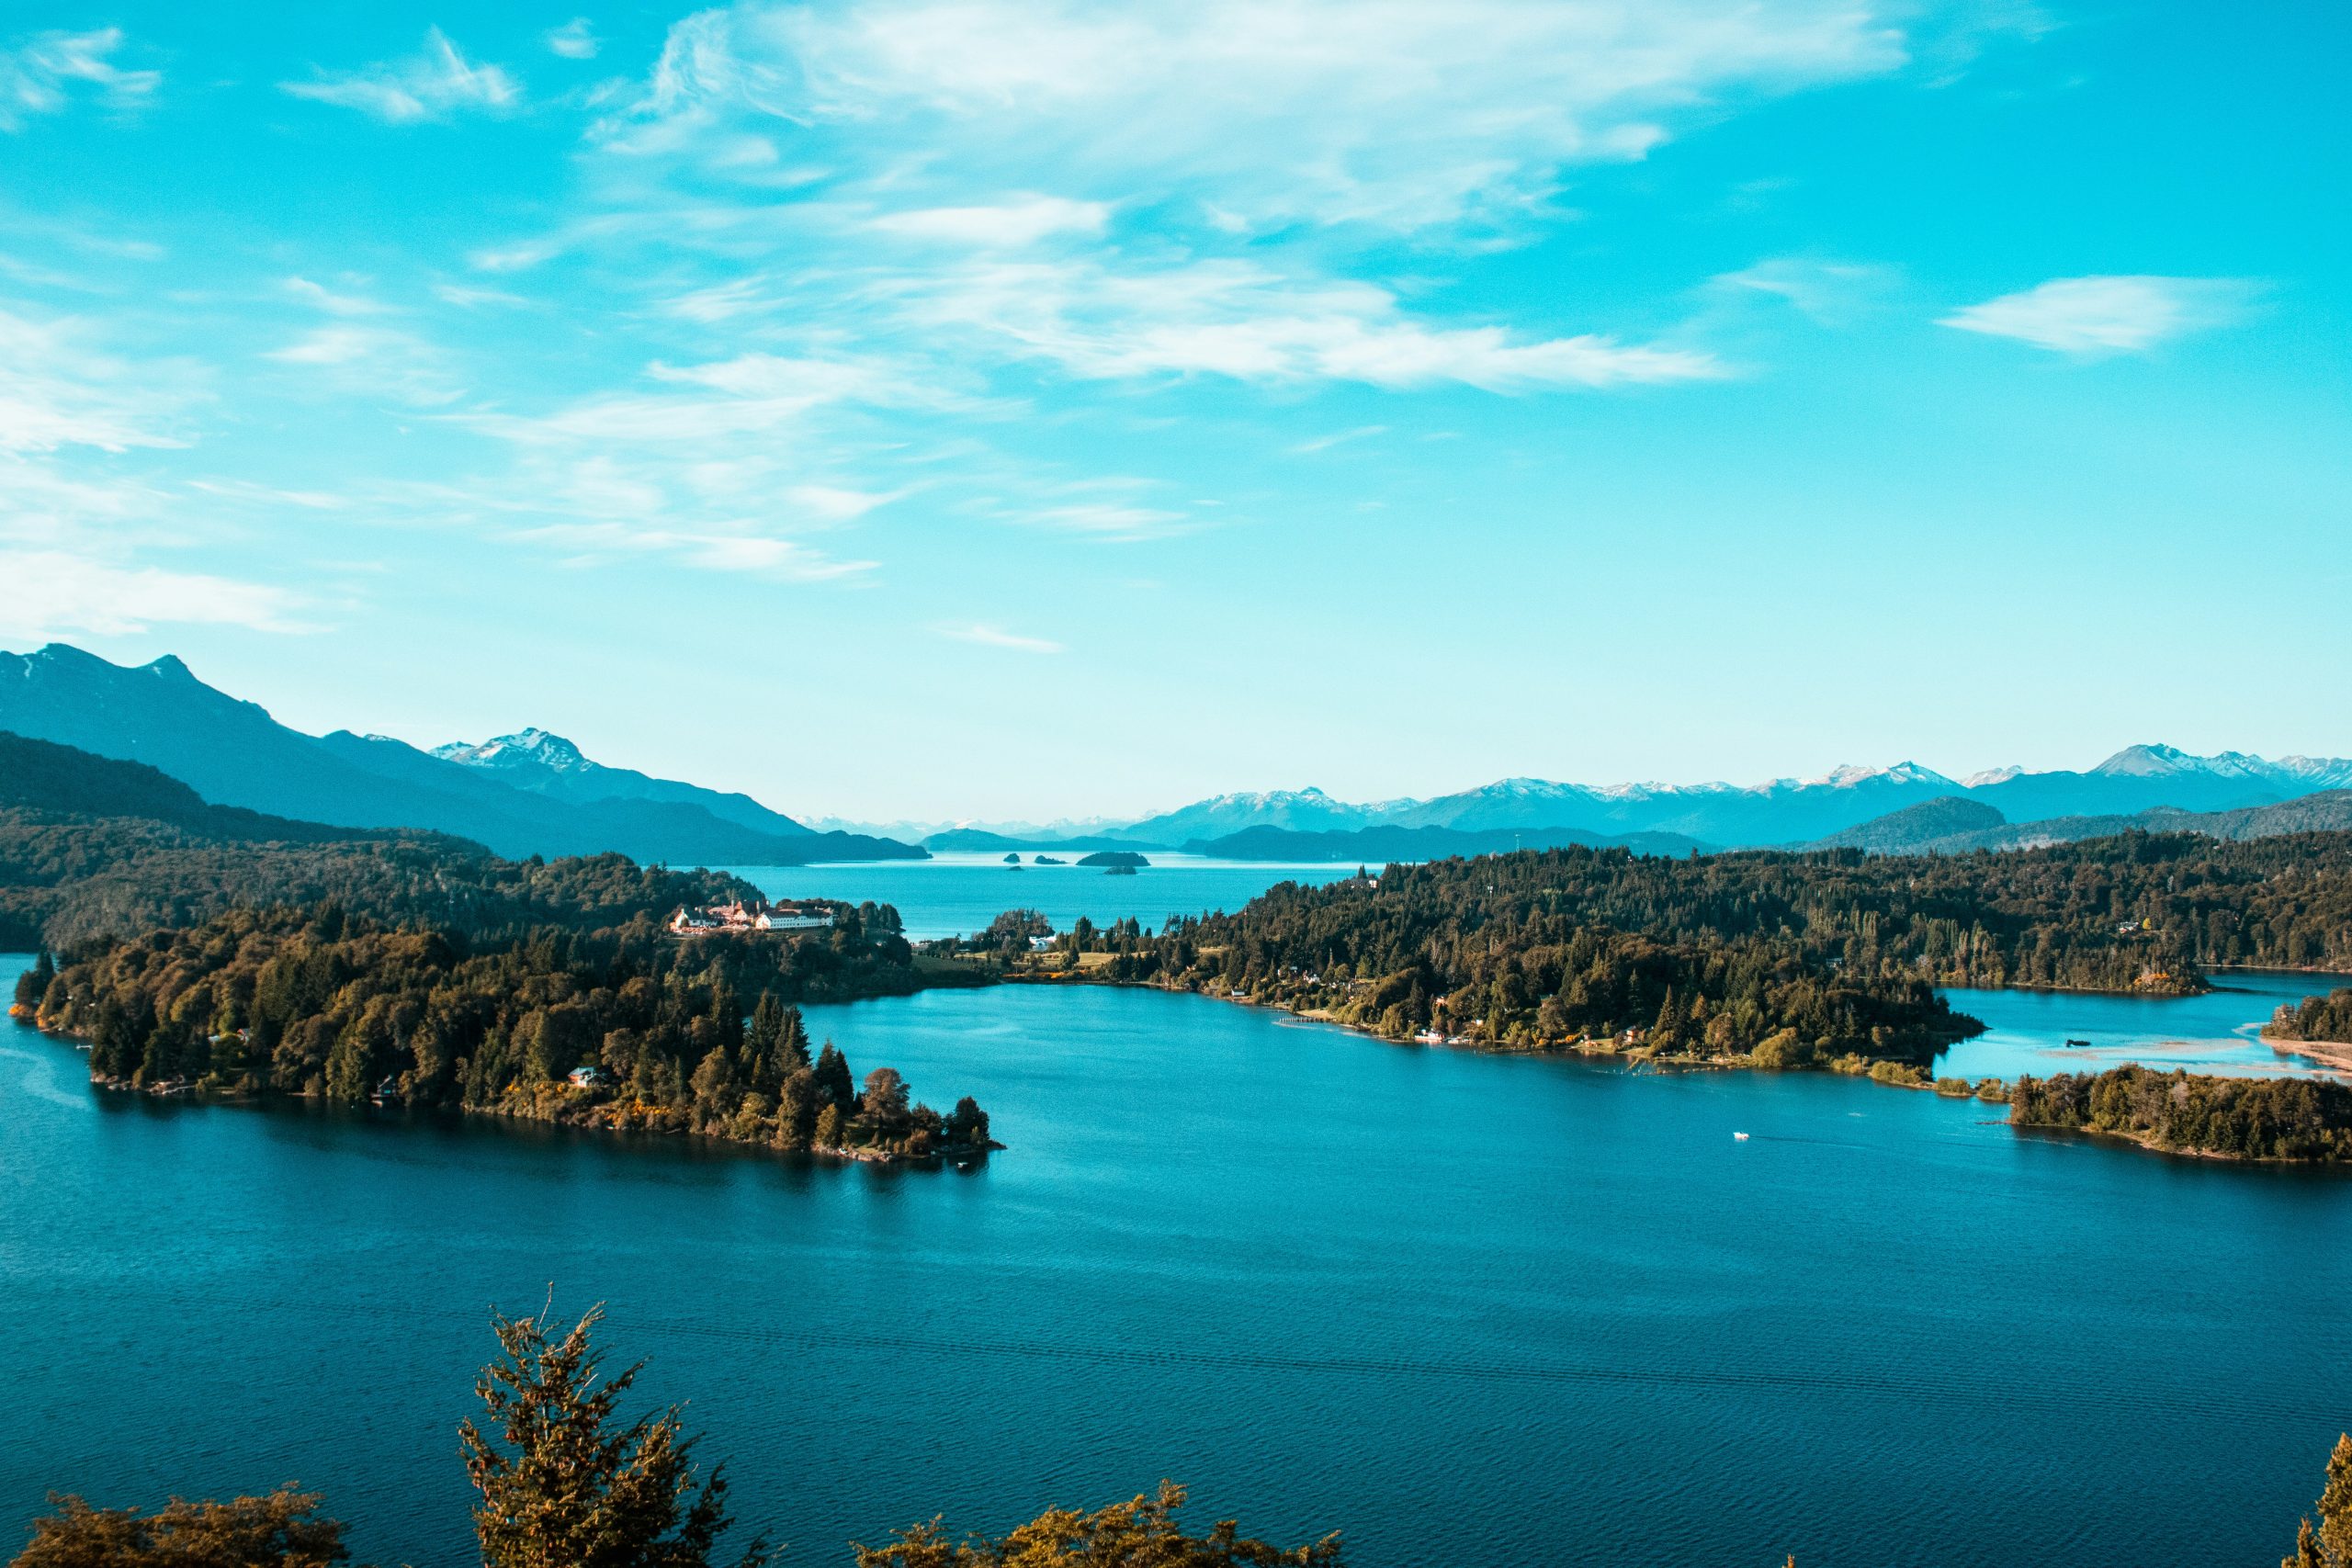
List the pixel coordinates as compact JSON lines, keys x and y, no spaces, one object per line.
{"x":534,"y":793}
{"x":523,"y":794}
{"x":1952,"y":825}
{"x":1387,"y":842}
{"x":1780,"y":812}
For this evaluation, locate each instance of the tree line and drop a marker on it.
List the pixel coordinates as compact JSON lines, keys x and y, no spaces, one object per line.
{"x":562,"y":1480}
{"x":1795,"y":955}
{"x":2259,"y":1119}
{"x":618,"y":1027}
{"x":2327,"y":1017}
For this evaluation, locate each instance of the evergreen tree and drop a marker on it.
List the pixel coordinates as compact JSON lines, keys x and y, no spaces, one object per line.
{"x":33,"y":984}
{"x":570,"y":1487}
{"x":2336,"y":1505}
{"x":835,"y":1086}
{"x":795,"y":1041}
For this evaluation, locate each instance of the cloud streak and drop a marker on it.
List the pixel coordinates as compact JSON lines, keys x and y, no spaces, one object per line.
{"x":1240,"y":320}
{"x":56,"y":591}
{"x":433,"y":84}
{"x":2096,"y":316}
{"x":1389,"y":113}
{"x":41,"y":75}
{"x":988,"y":636}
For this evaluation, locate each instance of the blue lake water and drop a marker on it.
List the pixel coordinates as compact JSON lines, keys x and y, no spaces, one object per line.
{"x":2216,"y":1032}
{"x":1473,"y":1309}
{"x":951,"y":895}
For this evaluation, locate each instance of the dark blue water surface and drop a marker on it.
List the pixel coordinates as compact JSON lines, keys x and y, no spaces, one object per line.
{"x":1471,"y":1310}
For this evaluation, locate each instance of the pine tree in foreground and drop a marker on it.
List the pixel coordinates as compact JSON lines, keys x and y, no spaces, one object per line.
{"x":2330,"y":1546}
{"x":570,"y":1487}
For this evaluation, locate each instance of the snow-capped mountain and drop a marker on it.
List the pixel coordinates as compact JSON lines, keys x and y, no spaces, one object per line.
{"x":545,"y":764}
{"x":1301,"y":810}
{"x":1786,"y":810}
{"x":525,"y":751}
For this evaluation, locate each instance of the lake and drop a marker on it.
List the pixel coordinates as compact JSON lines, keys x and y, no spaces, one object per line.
{"x":2218,"y":1032}
{"x":1471,"y":1309}
{"x":955,"y":894}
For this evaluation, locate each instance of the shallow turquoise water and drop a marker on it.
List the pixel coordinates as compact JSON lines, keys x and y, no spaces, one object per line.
{"x":2216,"y":1032}
{"x":951,"y":895}
{"x":1475,"y":1310}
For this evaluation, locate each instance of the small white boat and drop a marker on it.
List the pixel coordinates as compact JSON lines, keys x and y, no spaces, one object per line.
{"x":1739,"y":1137}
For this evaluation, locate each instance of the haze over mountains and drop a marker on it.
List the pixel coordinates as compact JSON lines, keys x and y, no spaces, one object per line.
{"x":519,"y":797}
{"x":535,"y":792}
{"x":1723,"y":816}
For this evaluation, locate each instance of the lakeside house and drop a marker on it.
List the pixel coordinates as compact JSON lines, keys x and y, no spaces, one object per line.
{"x":737,"y":918}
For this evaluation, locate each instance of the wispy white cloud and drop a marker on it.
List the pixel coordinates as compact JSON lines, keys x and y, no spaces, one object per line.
{"x":39,"y":75}
{"x":1115,"y":520}
{"x":576,"y":40}
{"x":333,"y":302}
{"x":432,"y":85}
{"x":1237,"y":319}
{"x":467,"y":298}
{"x":54,"y":593}
{"x":374,"y":361}
{"x":988,"y":636}
{"x":2088,"y":316}
{"x":1337,"y":438}
{"x":727,"y":466}
{"x":1830,"y":292}
{"x":1005,"y":225}
{"x":743,"y":553}
{"x":57,"y":391}
{"x":1387,"y":112}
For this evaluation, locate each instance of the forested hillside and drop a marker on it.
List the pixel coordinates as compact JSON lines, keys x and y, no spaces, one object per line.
{"x":1731,"y":950}
{"x":91,"y":848}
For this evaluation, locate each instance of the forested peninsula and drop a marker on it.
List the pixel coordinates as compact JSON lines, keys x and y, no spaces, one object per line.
{"x":1780,"y":960}
{"x":620,"y":1028}
{"x":1549,"y":947}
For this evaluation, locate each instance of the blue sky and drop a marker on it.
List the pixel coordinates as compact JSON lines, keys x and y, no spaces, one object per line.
{"x":995,"y":407}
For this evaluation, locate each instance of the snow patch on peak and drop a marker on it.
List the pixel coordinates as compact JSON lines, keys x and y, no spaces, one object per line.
{"x":526,"y":748}
{"x":1992,"y":776}
{"x":2161,"y":762}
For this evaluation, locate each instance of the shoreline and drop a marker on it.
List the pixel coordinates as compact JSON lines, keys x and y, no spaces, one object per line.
{"x":182,"y":1089}
{"x":2336,"y":1054}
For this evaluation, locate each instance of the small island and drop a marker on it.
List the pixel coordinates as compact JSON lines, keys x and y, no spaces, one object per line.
{"x":1047,"y":859}
{"x":1118,"y":862}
